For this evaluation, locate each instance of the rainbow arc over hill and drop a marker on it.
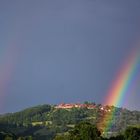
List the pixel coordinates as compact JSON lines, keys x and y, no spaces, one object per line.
{"x":123,"y":86}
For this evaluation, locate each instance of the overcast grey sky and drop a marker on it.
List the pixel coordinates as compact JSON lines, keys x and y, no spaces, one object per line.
{"x":54,"y":51}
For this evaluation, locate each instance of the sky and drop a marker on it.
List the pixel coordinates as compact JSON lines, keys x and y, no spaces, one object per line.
{"x":54,"y":51}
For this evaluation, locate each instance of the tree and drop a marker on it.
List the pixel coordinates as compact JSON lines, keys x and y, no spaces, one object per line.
{"x":8,"y":138}
{"x":21,"y":138}
{"x":132,"y":133}
{"x":62,"y":137}
{"x":118,"y":137}
{"x":85,"y":131}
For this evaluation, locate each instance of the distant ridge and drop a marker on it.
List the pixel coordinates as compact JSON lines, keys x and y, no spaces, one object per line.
{"x":47,"y":118}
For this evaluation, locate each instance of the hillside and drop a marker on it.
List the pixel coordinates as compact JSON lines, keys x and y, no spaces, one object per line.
{"x":45,"y":121}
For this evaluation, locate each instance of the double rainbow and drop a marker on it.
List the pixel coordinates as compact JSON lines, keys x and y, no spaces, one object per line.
{"x":122,"y":87}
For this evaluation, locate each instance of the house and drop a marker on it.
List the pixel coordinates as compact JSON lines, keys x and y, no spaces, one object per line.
{"x":76,"y":105}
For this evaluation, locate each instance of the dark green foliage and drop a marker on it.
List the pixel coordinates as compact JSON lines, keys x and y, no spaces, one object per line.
{"x":81,"y":131}
{"x":25,"y":138}
{"x":27,"y":116}
{"x":119,"y":137}
{"x":132,"y":133}
{"x":85,"y":131}
{"x":7,"y":136}
{"x":63,"y":117}
{"x":62,"y":137}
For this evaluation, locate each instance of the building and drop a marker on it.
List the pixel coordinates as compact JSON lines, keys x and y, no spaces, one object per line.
{"x":76,"y":105}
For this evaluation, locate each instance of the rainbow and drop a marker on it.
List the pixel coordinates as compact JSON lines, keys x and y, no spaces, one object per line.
{"x":10,"y":51}
{"x":8,"y":61}
{"x":122,"y":87}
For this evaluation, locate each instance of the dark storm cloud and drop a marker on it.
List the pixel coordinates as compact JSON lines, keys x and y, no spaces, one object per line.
{"x":70,"y":49}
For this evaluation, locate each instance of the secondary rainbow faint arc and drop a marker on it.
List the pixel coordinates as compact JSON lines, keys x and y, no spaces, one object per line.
{"x":8,"y":62}
{"x":121,"y":87}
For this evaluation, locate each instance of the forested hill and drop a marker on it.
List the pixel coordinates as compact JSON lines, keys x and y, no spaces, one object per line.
{"x":45,"y":121}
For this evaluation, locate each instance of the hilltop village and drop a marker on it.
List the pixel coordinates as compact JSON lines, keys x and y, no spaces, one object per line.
{"x":75,"y":105}
{"x":53,"y":121}
{"x":85,"y":105}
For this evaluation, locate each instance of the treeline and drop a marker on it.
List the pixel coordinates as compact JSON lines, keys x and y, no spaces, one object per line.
{"x":87,"y":131}
{"x":81,"y":131}
{"x":25,"y":117}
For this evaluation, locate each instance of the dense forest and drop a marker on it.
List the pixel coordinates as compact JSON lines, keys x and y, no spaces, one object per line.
{"x":46,"y":122}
